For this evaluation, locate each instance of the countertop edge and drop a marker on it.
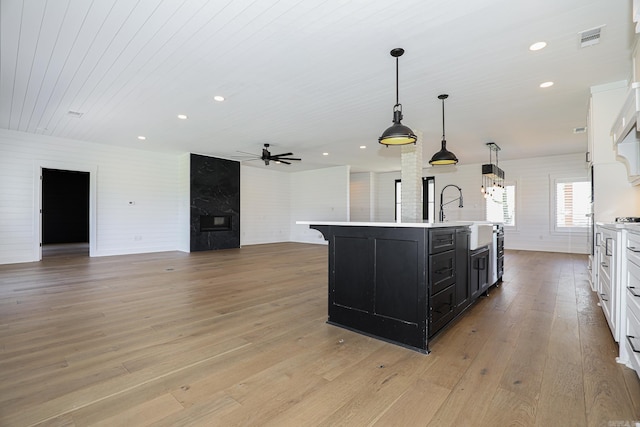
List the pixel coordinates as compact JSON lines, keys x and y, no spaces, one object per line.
{"x":390,"y":224}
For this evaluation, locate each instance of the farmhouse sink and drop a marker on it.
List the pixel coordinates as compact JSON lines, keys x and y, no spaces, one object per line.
{"x":481,"y":235}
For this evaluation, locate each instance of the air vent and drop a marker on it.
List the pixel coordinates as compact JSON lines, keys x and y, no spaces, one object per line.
{"x":75,"y":114}
{"x":590,"y":37}
{"x":580,"y":130}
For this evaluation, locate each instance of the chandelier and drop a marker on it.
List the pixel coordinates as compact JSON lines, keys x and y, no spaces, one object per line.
{"x":492,"y":175}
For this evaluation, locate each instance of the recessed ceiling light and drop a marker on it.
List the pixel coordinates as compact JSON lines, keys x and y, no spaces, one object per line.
{"x":182,"y":116}
{"x":538,"y":46}
{"x":363,"y":146}
{"x":142,"y":138}
{"x":218,"y":98}
{"x":546,"y":84}
{"x":325,"y":154}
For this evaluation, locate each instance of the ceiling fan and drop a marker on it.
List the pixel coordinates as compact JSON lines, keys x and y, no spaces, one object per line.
{"x":267,"y":157}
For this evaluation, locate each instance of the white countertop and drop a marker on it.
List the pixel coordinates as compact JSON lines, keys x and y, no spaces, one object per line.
{"x":390,"y":224}
{"x":631,"y":226}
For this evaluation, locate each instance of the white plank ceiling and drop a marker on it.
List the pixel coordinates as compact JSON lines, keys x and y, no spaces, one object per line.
{"x":309,"y":76}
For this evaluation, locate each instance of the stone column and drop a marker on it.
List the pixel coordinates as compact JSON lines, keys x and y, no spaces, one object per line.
{"x":411,"y":175}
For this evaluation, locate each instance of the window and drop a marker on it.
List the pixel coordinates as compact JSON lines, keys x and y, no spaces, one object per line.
{"x":398,"y":199}
{"x":572,"y":204}
{"x":428,"y":198}
{"x":501,"y":206}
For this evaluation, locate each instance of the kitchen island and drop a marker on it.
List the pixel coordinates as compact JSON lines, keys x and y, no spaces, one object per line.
{"x":401,"y":282}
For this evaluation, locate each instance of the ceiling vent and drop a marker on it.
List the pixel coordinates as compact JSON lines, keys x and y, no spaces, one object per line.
{"x":590,"y":37}
{"x":75,"y":114}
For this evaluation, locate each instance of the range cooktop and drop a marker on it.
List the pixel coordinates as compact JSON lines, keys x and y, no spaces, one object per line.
{"x":628,"y":219}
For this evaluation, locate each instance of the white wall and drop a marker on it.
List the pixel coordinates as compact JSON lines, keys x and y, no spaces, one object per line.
{"x":534,"y":227}
{"x":265,"y":205}
{"x":149,"y":179}
{"x":184,"y":221}
{"x":534,"y":203}
{"x":271,"y":201}
{"x":321,"y":194}
{"x":362,"y":196}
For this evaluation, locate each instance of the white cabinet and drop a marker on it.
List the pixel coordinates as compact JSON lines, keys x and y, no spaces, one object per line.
{"x":630,"y":315}
{"x":625,"y":135}
{"x":608,"y":286}
{"x":613,"y":196}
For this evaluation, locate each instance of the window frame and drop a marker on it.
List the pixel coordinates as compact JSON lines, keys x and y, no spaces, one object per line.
{"x":554,"y":180}
{"x":516,"y":203}
{"x":425,"y":198}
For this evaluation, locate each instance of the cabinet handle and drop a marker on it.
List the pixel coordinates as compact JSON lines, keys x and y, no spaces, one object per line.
{"x":631,"y":289}
{"x":633,"y":249}
{"x":603,"y":297}
{"x":598,"y":239}
{"x":443,"y":269}
{"x":629,"y":338}
{"x":444,"y":242}
{"x":606,"y":246}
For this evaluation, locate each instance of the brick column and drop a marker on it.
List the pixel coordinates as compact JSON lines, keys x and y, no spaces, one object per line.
{"x":411,"y":175}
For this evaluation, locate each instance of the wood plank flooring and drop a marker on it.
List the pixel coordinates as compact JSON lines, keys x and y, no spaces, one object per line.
{"x":238,"y":338}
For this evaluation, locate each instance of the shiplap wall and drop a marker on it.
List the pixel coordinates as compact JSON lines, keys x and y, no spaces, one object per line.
{"x":272,"y":201}
{"x":184,"y":222}
{"x":533,"y":177}
{"x":362,"y":195}
{"x":321,"y":194}
{"x":265,"y":201}
{"x":149,"y":180}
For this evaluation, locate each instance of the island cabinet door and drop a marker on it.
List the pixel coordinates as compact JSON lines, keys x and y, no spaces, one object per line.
{"x":377,"y":282}
{"x":463,"y":288}
{"x":443,"y":270}
{"x":479,"y":271}
{"x":441,"y":240}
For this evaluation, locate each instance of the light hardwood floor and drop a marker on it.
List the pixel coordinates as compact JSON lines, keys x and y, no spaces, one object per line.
{"x":238,"y":337}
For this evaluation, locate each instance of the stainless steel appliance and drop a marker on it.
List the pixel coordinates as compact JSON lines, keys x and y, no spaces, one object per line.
{"x":628,"y":219}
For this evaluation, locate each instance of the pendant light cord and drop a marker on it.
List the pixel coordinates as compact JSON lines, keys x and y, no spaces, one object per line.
{"x":397,"y":86}
{"x":443,"y":119}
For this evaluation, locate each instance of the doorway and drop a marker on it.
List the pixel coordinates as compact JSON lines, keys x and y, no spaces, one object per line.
{"x":65,"y":213}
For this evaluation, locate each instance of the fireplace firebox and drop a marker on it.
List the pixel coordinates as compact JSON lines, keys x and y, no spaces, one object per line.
{"x":215,"y":223}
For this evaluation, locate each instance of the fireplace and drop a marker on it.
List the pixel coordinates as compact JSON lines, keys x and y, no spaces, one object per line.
{"x":214,"y":220}
{"x":215,"y":223}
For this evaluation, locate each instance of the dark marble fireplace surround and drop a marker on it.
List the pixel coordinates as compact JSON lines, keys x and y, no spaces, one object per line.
{"x":215,"y":203}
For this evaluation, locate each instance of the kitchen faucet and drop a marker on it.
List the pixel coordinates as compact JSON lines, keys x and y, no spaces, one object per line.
{"x":450,"y":201}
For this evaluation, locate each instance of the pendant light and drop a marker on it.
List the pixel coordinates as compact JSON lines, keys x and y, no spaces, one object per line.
{"x":397,"y":134}
{"x":492,"y":175}
{"x":443,"y":157}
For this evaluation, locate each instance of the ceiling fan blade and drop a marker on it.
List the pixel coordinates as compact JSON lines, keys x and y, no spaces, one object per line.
{"x":244,"y":152}
{"x":283,"y":154}
{"x":282,"y":161}
{"x":289,"y":158}
{"x":245,"y":157}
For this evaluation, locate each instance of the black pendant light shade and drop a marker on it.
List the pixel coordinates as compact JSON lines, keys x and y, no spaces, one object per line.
{"x":397,"y":134}
{"x":444,"y":156}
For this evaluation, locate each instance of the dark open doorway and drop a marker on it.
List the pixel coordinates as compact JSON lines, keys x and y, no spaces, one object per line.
{"x":65,"y":212}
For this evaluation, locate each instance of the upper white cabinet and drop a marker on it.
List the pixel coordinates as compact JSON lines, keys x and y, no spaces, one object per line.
{"x":613,"y":195}
{"x":625,"y":135}
{"x":605,"y":105}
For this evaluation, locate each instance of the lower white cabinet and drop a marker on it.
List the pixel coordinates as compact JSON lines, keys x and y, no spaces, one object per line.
{"x":608,"y":287}
{"x":630,"y":283}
